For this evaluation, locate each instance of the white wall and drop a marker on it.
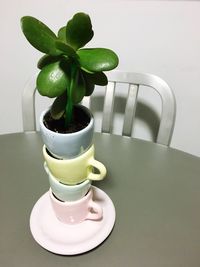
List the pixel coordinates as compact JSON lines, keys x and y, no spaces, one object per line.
{"x":159,"y":37}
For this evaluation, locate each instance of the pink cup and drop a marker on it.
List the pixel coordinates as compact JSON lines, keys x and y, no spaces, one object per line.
{"x":75,"y":212}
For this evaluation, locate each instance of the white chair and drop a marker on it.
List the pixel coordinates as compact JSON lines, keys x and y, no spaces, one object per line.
{"x":134,"y":81}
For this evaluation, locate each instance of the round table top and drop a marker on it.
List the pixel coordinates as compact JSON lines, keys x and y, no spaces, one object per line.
{"x":155,"y":190}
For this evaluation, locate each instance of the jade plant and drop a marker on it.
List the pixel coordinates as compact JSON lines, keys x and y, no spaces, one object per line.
{"x":68,"y":72}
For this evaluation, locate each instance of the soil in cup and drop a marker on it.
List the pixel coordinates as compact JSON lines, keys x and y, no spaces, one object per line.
{"x":80,"y":120}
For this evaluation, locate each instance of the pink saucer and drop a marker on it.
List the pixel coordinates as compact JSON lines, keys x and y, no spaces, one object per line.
{"x":65,"y":239}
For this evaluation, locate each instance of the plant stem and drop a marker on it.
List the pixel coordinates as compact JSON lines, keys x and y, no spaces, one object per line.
{"x":68,"y":113}
{"x":69,"y":105}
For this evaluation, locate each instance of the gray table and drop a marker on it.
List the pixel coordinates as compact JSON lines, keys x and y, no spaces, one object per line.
{"x":155,"y":189}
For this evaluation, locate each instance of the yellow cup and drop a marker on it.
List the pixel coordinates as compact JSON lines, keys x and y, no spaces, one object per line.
{"x":75,"y":170}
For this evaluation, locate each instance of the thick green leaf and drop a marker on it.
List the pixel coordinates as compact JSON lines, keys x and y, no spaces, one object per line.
{"x":98,"y":78}
{"x":46,"y":60}
{"x":85,"y":70}
{"x":58,"y":106}
{"x":78,"y":92}
{"x":39,"y":35}
{"x":66,"y":49}
{"x":89,"y":87}
{"x":97,"y":59}
{"x":52,"y":81}
{"x":62,"y":34}
{"x":79,"y":30}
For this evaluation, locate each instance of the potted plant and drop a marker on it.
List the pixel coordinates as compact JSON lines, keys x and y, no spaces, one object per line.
{"x":68,"y":72}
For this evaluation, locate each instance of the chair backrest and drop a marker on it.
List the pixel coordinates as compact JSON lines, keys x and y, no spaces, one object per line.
{"x":134,"y":81}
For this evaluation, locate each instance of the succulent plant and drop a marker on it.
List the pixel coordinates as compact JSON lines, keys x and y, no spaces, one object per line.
{"x":68,"y":72}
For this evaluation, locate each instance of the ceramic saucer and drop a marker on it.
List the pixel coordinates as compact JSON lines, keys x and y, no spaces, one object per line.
{"x":64,"y":239}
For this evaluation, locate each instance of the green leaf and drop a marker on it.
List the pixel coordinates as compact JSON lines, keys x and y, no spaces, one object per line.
{"x":58,"y":106}
{"x":85,"y":70}
{"x":52,"y":81}
{"x":98,"y":78}
{"x":89,"y":87}
{"x":46,"y":60}
{"x":39,"y":35}
{"x":78,"y":92}
{"x":62,"y":34}
{"x":66,"y":49}
{"x":97,"y":59}
{"x":79,"y":30}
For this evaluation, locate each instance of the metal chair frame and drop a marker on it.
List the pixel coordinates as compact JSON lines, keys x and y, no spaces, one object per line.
{"x":134,"y":80}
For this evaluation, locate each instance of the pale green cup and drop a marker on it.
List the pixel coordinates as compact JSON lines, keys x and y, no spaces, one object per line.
{"x":67,"y":192}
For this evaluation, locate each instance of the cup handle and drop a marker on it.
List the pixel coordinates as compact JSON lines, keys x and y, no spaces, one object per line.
{"x":102,"y":170}
{"x":98,"y":211}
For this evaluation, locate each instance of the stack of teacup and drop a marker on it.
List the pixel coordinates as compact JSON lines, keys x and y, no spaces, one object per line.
{"x":71,"y":168}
